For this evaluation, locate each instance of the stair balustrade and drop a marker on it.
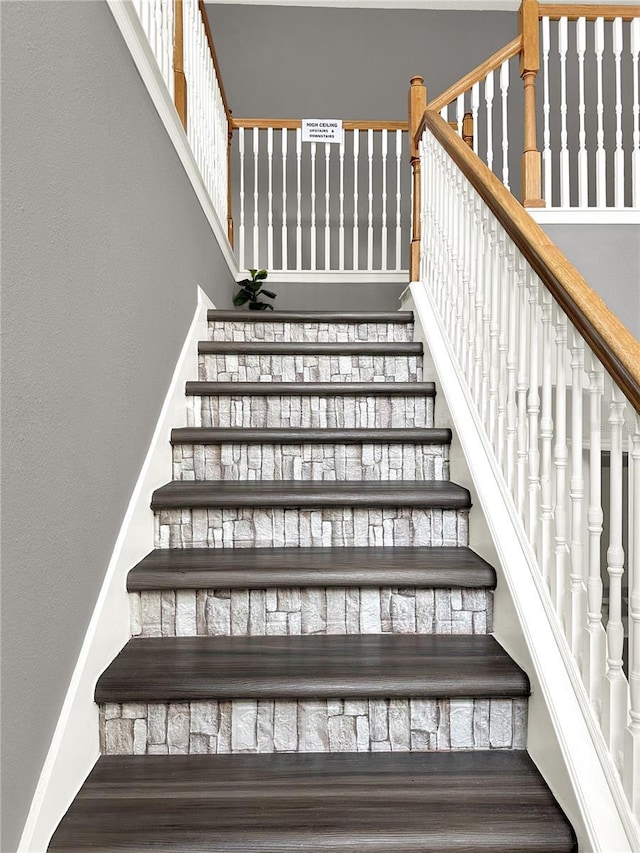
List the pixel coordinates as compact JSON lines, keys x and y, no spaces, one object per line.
{"x":555,"y":377}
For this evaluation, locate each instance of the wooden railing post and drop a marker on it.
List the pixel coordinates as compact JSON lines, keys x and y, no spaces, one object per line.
{"x":417,"y":106}
{"x":529,"y":67}
{"x":179,"y":79}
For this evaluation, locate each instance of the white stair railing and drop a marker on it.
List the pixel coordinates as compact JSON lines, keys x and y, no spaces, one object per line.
{"x":555,"y":378}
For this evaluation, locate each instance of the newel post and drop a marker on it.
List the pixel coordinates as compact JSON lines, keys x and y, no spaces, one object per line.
{"x":417,"y":107}
{"x":529,"y":67}
{"x":179,"y":79}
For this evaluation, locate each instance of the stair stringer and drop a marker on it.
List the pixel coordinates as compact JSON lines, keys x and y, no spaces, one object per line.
{"x":74,"y":747}
{"x":564,"y":737}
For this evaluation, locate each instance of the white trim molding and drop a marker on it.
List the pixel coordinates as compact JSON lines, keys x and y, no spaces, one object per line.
{"x":585,"y":216}
{"x":134,"y":36}
{"x":74,"y":747}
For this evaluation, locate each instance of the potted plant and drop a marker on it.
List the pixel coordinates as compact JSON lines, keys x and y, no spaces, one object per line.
{"x":251,"y":289}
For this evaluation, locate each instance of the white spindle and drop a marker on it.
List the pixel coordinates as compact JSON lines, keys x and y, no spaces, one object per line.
{"x":635,"y":157}
{"x":312,"y":227}
{"x":533,"y":411}
{"x":546,"y":135}
{"x":594,"y":649}
{"x":504,"y":92}
{"x":299,"y":198}
{"x":601,"y":156}
{"x":327,"y":208}
{"x":284,"y":134}
{"x":270,"y":198}
{"x":583,"y":164}
{"x":370,"y":199}
{"x":632,"y":734}
{"x":256,"y":197}
{"x":522,"y":388}
{"x":475,"y":109}
{"x":546,"y":439}
{"x":512,"y":372}
{"x":618,"y":157}
{"x":399,"y":198}
{"x":576,"y":492}
{"x":488,"y":99}
{"x":383,"y":233}
{"x":560,"y":457}
{"x":614,"y":705}
{"x":460,"y":113}
{"x":494,"y":336}
{"x":241,"y":229}
{"x":356,"y":235}
{"x":341,"y":219}
{"x":444,"y":113}
{"x":565,"y":200}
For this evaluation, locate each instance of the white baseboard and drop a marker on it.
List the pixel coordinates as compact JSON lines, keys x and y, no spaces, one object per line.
{"x":74,"y":747}
{"x":564,"y":740}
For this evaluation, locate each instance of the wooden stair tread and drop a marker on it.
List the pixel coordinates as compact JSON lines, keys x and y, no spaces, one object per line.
{"x":159,"y":669}
{"x":440,"y":494}
{"x":293,"y":435}
{"x":260,"y":568}
{"x":305,"y":348}
{"x":349,"y":802}
{"x":359,"y":317}
{"x":310,"y":389}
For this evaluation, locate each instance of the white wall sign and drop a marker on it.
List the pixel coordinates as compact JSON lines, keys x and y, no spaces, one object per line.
{"x":322,"y":130}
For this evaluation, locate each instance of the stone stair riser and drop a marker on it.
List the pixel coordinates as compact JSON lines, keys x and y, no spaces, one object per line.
{"x":339,"y":412}
{"x":310,"y":610}
{"x":319,"y":725}
{"x":243,"y":367}
{"x":271,"y":331}
{"x":309,"y":462}
{"x":247,"y":527}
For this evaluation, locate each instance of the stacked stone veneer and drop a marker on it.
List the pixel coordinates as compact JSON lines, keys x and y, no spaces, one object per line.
{"x":237,"y":330}
{"x":311,"y":462}
{"x":324,"y":725}
{"x":348,"y":526}
{"x":330,"y":412}
{"x":243,"y":367}
{"x":310,"y":610}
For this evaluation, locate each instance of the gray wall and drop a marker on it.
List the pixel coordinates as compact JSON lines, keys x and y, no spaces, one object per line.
{"x":608,"y":256}
{"x":103,"y":244}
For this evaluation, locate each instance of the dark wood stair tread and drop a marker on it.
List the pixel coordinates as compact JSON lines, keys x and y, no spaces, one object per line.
{"x":311,"y":389}
{"x":306,"y":348}
{"x":159,"y":669}
{"x":343,"y":802}
{"x":425,"y":494}
{"x":293,"y":435}
{"x":396,"y":317}
{"x":260,"y":568}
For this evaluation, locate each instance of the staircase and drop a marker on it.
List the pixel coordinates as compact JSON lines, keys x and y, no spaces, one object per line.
{"x":312,"y":666}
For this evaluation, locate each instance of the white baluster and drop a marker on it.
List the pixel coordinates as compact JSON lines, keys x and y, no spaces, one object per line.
{"x":565,"y":200}
{"x":504,"y":91}
{"x":486,"y":321}
{"x":546,"y":439}
{"x":632,"y":734}
{"x":478,"y":348}
{"x":512,"y":369}
{"x":533,"y":411}
{"x":583,"y":164}
{"x":399,"y":199}
{"x":284,"y":134}
{"x":560,"y":457}
{"x":270,"y":198}
{"x":356,"y":236}
{"x":594,"y":654}
{"x":312,"y":228}
{"x":618,"y":157}
{"x":370,"y":198}
{"x":383,"y":234}
{"x":341,"y":222}
{"x":256,"y":233}
{"x":460,"y":113}
{"x":505,"y":295}
{"x":298,"y":198}
{"x":494,"y":335}
{"x":614,"y":700}
{"x":444,"y":113}
{"x":488,"y":98}
{"x":547,"y":164}
{"x":577,"y":608}
{"x":635,"y":157}
{"x":241,"y":229}
{"x":601,"y":156}
{"x":475,"y":109}
{"x":327,"y":208}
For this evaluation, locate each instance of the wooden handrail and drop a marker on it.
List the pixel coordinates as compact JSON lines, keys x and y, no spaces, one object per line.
{"x":214,"y":57}
{"x":465,"y":83}
{"x":608,"y":338}
{"x":590,"y":11}
{"x":295,"y":123}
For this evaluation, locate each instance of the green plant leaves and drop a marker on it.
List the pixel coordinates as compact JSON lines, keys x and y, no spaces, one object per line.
{"x":268,"y":293}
